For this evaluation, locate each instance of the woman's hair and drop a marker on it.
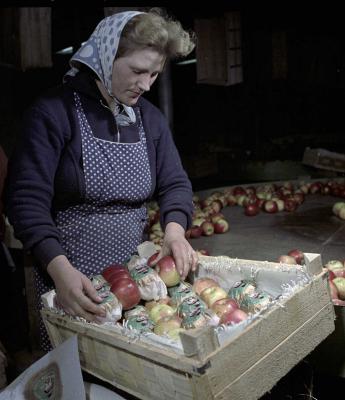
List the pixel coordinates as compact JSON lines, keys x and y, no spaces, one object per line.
{"x":158,"y":32}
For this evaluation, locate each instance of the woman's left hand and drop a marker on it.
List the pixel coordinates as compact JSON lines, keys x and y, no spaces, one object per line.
{"x":176,"y":244}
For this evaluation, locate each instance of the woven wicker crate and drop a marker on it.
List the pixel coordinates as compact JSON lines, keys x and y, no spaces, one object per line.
{"x":244,"y":365}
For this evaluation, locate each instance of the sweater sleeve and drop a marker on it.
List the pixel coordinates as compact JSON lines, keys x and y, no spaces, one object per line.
{"x":175,"y":195}
{"x":30,"y":185}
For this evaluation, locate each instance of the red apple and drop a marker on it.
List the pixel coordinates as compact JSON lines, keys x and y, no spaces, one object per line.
{"x":297,"y":255}
{"x":238,"y":190}
{"x":127,"y":291}
{"x":315,"y":187}
{"x":233,"y":317}
{"x":201,"y":284}
{"x":216,"y":205}
{"x":270,"y":206}
{"x":285,"y":259}
{"x":207,"y":228}
{"x":339,"y":282}
{"x":224,"y":305}
{"x":251,"y":209}
{"x":221,"y":226}
{"x":290,"y":204}
{"x":115,"y":271}
{"x":195,"y":231}
{"x":166,"y":269}
{"x":216,"y":217}
{"x":333,"y":290}
{"x":151,"y":261}
{"x":212,"y":294}
{"x":231,"y":199}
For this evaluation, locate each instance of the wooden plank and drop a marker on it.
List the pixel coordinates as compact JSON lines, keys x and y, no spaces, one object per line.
{"x":28,"y":37}
{"x":113,"y":341}
{"x":199,"y":343}
{"x":277,"y":325}
{"x":264,"y":374}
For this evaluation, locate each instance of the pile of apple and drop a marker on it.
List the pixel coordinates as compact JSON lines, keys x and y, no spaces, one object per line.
{"x":185,"y":306}
{"x":293,"y":257}
{"x":336,"y":279}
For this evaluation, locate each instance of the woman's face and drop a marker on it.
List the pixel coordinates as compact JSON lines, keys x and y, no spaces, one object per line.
{"x":133,"y":74}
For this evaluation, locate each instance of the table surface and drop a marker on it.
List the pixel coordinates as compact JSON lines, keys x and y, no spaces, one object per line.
{"x":312,"y":228}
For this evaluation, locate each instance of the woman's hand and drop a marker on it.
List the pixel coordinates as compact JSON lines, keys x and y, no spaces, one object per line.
{"x":74,"y":290}
{"x":177,"y":245}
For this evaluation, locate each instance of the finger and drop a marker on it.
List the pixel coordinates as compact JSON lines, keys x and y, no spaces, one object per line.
{"x":87,"y":305}
{"x":78,"y":310}
{"x":90,"y":291}
{"x":195,"y":261}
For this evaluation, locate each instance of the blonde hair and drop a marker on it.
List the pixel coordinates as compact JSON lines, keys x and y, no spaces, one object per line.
{"x":158,"y":32}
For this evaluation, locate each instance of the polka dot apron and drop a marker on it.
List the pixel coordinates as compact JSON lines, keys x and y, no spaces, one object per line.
{"x":109,"y":226}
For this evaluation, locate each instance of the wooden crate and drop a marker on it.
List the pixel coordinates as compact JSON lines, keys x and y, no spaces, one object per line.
{"x":244,"y":366}
{"x":324,"y":159}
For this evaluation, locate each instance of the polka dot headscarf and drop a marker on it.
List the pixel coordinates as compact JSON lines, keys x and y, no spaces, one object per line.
{"x":99,"y":52}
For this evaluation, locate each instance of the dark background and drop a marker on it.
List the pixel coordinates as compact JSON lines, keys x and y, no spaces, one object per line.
{"x":259,"y":120}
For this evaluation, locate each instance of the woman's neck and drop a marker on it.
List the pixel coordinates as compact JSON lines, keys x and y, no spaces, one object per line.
{"x":104,"y":93}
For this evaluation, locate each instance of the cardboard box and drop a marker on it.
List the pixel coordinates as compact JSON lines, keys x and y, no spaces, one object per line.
{"x":242,"y":362}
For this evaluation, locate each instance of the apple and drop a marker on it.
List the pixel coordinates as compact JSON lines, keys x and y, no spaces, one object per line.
{"x":290,"y":204}
{"x":251,"y":210}
{"x":150,"y":304}
{"x":298,"y":198}
{"x":151,"y":260}
{"x":231,"y":199}
{"x":216,"y":217}
{"x":166,"y":269}
{"x":233,"y":317}
{"x":113,"y":271}
{"x":280,"y":204}
{"x":297,"y":255}
{"x":334,"y":265}
{"x":339,"y":282}
{"x":270,"y":206}
{"x":159,"y":311}
{"x":174,"y":334}
{"x":333,"y":290}
{"x":165,"y":324}
{"x":207,"y":228}
{"x":241,"y":199}
{"x":216,"y":205}
{"x":224,"y":305}
{"x":211,"y":294}
{"x":286,"y":259}
{"x":196,"y":231}
{"x":238,"y":190}
{"x":315,"y":187}
{"x":127,"y":292}
{"x":337,"y":207}
{"x":203,"y":252}
{"x":341,"y":213}
{"x":221,"y":226}
{"x":201,"y":284}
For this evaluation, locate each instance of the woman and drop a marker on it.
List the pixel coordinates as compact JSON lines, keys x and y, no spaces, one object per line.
{"x":93,"y":152}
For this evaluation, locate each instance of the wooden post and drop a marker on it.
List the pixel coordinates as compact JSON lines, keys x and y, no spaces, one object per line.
{"x":25,"y":37}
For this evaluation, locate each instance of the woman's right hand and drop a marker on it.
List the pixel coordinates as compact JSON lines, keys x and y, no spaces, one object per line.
{"x":74,"y":290}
